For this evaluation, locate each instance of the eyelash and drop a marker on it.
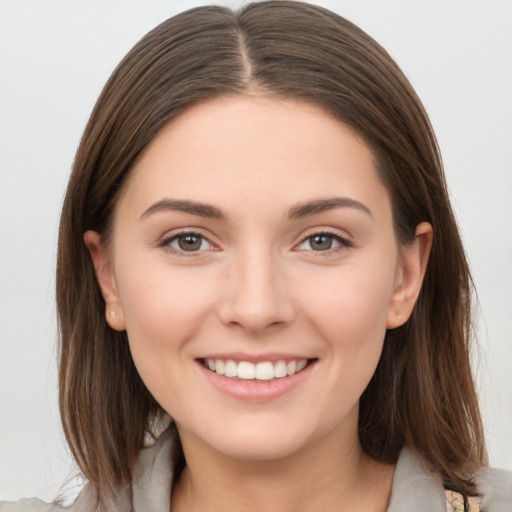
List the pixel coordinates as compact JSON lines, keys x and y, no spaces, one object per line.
{"x":165,"y":243}
{"x":344,"y":243}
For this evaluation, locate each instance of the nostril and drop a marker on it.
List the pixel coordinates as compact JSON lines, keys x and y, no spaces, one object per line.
{"x":255,"y":298}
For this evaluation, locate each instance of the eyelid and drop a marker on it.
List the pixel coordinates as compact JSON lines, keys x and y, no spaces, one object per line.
{"x":165,"y":240}
{"x":344,"y":240}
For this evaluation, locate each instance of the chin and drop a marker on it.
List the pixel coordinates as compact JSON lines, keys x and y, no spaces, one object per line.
{"x":258,"y":448}
{"x":255,"y":440}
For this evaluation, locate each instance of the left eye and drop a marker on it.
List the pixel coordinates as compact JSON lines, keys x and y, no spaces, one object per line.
{"x":322,"y":242}
{"x":188,"y":242}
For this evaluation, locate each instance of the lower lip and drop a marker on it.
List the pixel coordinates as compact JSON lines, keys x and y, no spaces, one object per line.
{"x":253,"y":390}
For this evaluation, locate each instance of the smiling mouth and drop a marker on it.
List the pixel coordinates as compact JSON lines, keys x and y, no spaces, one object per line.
{"x":263,"y":371}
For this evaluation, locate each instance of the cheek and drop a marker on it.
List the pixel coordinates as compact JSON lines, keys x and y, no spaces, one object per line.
{"x":349,"y":300}
{"x":163,"y":309}
{"x":349,"y":310}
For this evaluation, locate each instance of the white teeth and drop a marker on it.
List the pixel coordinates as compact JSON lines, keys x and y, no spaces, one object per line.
{"x":230,"y":369}
{"x":266,"y":370}
{"x":291,"y":367}
{"x":246,"y":370}
{"x":219,"y":366}
{"x":280,"y":369}
{"x":301,"y":365}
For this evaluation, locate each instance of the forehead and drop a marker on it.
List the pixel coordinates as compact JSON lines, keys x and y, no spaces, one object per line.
{"x":264,"y":151}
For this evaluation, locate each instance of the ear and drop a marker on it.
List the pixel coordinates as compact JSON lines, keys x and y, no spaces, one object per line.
{"x":113,"y":309}
{"x":410,"y":273}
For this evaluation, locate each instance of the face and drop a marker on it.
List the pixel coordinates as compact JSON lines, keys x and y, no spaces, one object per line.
{"x":255,"y":269}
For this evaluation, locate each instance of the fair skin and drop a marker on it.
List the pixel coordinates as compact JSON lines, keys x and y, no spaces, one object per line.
{"x":254,"y":234}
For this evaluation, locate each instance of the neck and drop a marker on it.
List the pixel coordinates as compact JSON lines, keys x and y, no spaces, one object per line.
{"x":321,"y":476}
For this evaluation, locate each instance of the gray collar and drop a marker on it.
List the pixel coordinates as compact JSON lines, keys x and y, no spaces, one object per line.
{"x":415,"y":487}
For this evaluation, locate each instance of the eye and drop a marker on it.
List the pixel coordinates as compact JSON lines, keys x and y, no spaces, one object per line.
{"x":187,"y":242}
{"x":323,"y":242}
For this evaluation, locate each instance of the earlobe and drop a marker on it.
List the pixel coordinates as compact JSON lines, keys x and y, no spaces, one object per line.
{"x":113,"y":309}
{"x":413,"y":265}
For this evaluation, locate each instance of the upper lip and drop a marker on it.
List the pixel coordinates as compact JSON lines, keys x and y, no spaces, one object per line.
{"x":255,"y":358}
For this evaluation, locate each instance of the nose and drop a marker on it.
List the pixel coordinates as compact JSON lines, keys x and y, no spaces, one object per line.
{"x":257,"y":296}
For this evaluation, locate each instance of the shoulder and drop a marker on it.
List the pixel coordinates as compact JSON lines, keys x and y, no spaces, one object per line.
{"x":495,"y":488}
{"x":85,"y":502}
{"x":30,"y":505}
{"x":416,"y":487}
{"x":149,"y":491}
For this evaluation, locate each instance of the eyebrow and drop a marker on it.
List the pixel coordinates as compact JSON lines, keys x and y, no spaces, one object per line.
{"x":301,"y":210}
{"x":181,"y":205}
{"x":322,"y":205}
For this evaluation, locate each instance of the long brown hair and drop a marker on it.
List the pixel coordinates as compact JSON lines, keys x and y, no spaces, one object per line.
{"x":422,"y":394}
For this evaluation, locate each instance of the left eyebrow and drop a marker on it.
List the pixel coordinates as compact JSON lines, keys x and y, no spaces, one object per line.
{"x":322,"y":205}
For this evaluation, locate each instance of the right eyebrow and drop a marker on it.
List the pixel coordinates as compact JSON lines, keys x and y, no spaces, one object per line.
{"x":180,"y":205}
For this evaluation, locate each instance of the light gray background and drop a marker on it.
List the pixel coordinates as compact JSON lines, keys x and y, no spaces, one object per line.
{"x":54,"y":58}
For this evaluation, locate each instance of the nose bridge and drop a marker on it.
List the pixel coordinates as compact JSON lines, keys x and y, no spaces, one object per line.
{"x":257,"y":293}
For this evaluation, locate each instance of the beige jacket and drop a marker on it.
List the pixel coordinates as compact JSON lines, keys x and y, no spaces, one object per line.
{"x":415,"y":488}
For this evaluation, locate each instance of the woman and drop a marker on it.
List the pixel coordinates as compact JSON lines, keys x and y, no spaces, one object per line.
{"x":257,"y":241}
